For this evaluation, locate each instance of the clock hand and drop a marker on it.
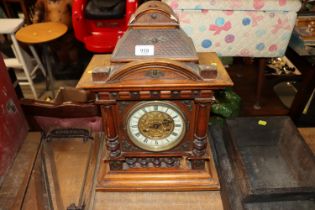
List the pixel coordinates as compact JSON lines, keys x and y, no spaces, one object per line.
{"x":155,"y":125}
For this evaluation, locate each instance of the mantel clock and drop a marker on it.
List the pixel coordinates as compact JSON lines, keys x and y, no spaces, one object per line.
{"x":155,"y":94}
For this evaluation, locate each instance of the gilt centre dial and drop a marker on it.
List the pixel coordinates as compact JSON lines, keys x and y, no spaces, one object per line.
{"x":156,"y":126}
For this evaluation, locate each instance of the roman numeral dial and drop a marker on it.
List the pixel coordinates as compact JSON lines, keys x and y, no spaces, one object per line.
{"x":156,"y":126}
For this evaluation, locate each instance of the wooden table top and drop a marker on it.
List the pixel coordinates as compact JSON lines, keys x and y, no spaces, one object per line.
{"x":41,"y":32}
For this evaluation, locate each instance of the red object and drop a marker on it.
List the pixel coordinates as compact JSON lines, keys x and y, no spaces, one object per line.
{"x":13,"y":126}
{"x":100,"y":34}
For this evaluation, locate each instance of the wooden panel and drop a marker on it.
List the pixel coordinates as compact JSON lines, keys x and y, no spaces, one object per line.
{"x":181,"y":179}
{"x":174,"y":45}
{"x":36,"y":196}
{"x":13,"y":126}
{"x":309,"y":137}
{"x":15,"y":183}
{"x":260,"y":152}
{"x":258,"y":173}
{"x":158,"y":200}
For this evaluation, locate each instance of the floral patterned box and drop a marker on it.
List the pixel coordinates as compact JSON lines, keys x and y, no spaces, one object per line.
{"x":249,"y":28}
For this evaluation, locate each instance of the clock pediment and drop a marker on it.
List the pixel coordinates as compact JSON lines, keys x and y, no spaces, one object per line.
{"x":153,"y":69}
{"x":156,"y":71}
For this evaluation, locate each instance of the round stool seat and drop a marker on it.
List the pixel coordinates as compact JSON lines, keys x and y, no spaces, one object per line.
{"x":41,"y":32}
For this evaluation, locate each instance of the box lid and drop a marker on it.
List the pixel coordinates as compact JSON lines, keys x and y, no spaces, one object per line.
{"x":263,"y":5}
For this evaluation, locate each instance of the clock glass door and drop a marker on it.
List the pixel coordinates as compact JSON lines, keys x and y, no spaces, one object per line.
{"x":156,"y":126}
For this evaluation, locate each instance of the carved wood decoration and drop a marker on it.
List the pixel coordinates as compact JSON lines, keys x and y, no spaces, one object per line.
{"x":156,"y":107}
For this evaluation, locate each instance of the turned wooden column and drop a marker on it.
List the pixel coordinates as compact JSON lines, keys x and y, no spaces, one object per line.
{"x":202,"y":118}
{"x":112,"y":141}
{"x":203,"y":106}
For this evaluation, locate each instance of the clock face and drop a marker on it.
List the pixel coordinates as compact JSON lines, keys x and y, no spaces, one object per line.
{"x":156,"y":126}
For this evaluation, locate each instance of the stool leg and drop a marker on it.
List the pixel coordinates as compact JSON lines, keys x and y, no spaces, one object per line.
{"x":38,"y":61}
{"x":49,"y":70}
{"x":260,"y":82}
{"x":21,"y":59}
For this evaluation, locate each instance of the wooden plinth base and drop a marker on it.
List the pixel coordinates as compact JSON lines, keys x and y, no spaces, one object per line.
{"x":159,"y":179}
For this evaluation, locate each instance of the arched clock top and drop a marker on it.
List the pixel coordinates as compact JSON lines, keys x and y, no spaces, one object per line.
{"x":155,"y":70}
{"x":154,"y":13}
{"x":162,"y":69}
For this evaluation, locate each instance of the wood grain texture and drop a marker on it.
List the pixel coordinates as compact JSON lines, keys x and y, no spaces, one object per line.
{"x":15,"y":183}
{"x":96,"y":61}
{"x":36,"y":196}
{"x":309,"y":137}
{"x":182,"y":179}
{"x":261,"y":152}
{"x":158,"y":200}
{"x":222,"y":79}
{"x":270,"y":168}
{"x":166,"y":17}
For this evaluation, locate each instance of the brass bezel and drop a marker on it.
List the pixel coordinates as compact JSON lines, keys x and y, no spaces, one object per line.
{"x":155,"y":148}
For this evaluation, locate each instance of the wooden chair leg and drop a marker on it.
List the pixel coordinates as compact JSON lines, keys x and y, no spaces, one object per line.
{"x":260,"y":82}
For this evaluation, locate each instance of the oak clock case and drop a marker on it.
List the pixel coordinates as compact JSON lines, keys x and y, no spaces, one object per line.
{"x":156,"y":108}
{"x":151,"y":130}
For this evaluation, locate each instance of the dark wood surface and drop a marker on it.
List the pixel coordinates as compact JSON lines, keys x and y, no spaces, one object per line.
{"x":17,"y":179}
{"x":269,"y":165}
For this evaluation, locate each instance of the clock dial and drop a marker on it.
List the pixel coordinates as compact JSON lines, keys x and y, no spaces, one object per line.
{"x":156,"y":126}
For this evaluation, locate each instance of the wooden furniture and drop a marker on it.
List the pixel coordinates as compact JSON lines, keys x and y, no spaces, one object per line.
{"x":264,"y":166}
{"x":22,"y":60}
{"x":155,"y":94}
{"x":42,"y":33}
{"x":11,"y":135}
{"x":71,"y":108}
{"x":23,"y":184}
